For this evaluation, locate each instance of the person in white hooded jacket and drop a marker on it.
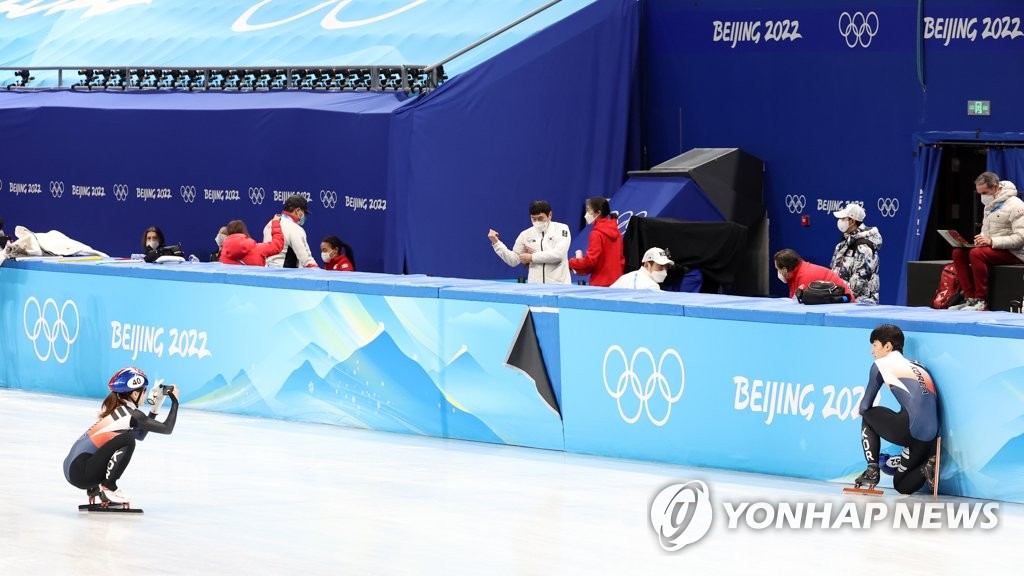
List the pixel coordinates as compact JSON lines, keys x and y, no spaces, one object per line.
{"x":543,"y":247}
{"x":1001,"y":240}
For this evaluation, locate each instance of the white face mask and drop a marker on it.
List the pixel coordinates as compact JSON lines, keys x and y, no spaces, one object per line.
{"x":152,"y":244}
{"x":326,"y":257}
{"x":589,"y":217}
{"x":219,"y":239}
{"x":986,"y":199}
{"x":781,"y":277}
{"x":843,"y":224}
{"x":659,"y":275}
{"x":541,"y":226}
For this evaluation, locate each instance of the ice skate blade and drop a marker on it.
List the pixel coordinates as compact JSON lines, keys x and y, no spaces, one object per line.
{"x":112,"y":509}
{"x":863,"y":491}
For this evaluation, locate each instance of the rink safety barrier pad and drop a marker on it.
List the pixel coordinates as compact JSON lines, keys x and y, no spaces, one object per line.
{"x":759,"y":385}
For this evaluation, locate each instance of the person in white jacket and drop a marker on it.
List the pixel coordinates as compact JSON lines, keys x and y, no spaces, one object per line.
{"x":1001,"y":240}
{"x":652,"y":272}
{"x":543,"y":247}
{"x":296,"y":252}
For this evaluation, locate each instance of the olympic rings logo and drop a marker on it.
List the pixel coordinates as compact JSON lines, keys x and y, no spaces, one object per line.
{"x":329,"y":198}
{"x":858,"y":28}
{"x":888,"y":206}
{"x":623,"y":222}
{"x":629,"y":379}
{"x":50,"y":327}
{"x":256,"y":195}
{"x":796,"y":203}
{"x":56,"y":188}
{"x":121,"y":192}
{"x":188,"y":194}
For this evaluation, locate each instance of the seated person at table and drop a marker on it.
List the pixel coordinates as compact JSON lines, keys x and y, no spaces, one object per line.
{"x":337,"y":255}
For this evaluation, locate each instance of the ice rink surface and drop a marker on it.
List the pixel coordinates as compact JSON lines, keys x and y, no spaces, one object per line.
{"x":232,"y":495}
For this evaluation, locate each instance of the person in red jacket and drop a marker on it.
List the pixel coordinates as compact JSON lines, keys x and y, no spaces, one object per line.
{"x":798,"y":274}
{"x":337,"y":255}
{"x":604,"y":260}
{"x":239,"y":248}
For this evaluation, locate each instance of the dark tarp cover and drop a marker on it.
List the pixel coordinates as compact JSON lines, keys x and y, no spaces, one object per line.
{"x":714,"y":248}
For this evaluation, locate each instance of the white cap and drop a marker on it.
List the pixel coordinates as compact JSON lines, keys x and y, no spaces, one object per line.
{"x":852,"y":211}
{"x":658,"y":256}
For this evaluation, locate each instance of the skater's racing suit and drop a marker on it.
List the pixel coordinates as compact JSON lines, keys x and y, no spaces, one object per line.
{"x":103,"y":452}
{"x":914,"y":427}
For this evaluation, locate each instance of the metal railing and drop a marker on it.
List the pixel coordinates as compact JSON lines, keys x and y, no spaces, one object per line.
{"x":407,"y":78}
{"x":437,"y":67}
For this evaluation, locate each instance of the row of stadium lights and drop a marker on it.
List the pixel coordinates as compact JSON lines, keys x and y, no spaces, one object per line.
{"x":366,"y":78}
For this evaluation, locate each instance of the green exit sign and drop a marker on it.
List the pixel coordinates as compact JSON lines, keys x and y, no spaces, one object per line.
{"x":979,"y":108}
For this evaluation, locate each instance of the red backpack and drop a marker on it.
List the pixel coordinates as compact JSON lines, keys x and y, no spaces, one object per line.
{"x":949,"y":293}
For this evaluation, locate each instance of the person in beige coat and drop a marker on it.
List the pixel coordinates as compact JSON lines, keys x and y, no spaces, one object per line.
{"x":1001,"y":240}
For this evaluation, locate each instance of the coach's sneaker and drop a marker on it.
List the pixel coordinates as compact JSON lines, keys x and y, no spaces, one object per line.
{"x":113,"y":496}
{"x":889,"y":464}
{"x":967,"y":304}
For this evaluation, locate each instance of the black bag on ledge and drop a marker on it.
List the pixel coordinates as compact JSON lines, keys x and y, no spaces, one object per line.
{"x":172,"y":250}
{"x":822,"y":292}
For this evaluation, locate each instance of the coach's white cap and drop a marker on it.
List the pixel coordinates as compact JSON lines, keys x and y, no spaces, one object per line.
{"x":852,"y":211}
{"x":658,"y":256}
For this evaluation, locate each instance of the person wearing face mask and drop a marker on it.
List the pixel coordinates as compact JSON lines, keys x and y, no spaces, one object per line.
{"x":336,"y":255}
{"x":543,"y":247}
{"x":798,"y":273}
{"x":652,"y":272}
{"x":296,"y":252}
{"x":604,"y":260}
{"x":1001,"y":240}
{"x":219,"y":241}
{"x":855,"y":259}
{"x":152,"y":242}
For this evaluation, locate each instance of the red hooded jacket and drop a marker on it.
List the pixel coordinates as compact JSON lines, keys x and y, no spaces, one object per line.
{"x":340,"y":263}
{"x":241,"y":249}
{"x":604,"y":260}
{"x":805,"y":273}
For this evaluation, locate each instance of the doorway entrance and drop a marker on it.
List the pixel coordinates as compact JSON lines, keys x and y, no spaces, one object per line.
{"x":955,"y":204}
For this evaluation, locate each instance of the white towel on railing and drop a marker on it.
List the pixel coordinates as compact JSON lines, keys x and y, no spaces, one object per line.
{"x":52,"y":243}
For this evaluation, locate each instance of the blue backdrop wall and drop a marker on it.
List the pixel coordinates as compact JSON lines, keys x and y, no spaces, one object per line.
{"x":829,"y":95}
{"x":412,"y":184}
{"x":103,"y":167}
{"x":546,"y":119}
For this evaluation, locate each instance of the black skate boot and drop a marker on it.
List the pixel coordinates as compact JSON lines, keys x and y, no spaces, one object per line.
{"x":869,"y":478}
{"x":929,"y":473}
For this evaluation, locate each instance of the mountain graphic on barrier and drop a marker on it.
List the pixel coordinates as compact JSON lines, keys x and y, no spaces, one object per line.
{"x":1009,"y":459}
{"x":307,"y":397}
{"x":381,"y":386}
{"x":386,"y":380}
{"x":238,"y":396}
{"x":515,"y":410}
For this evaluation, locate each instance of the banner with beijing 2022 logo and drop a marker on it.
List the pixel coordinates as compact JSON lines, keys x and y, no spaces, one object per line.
{"x":779,"y":398}
{"x":358,"y":360}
